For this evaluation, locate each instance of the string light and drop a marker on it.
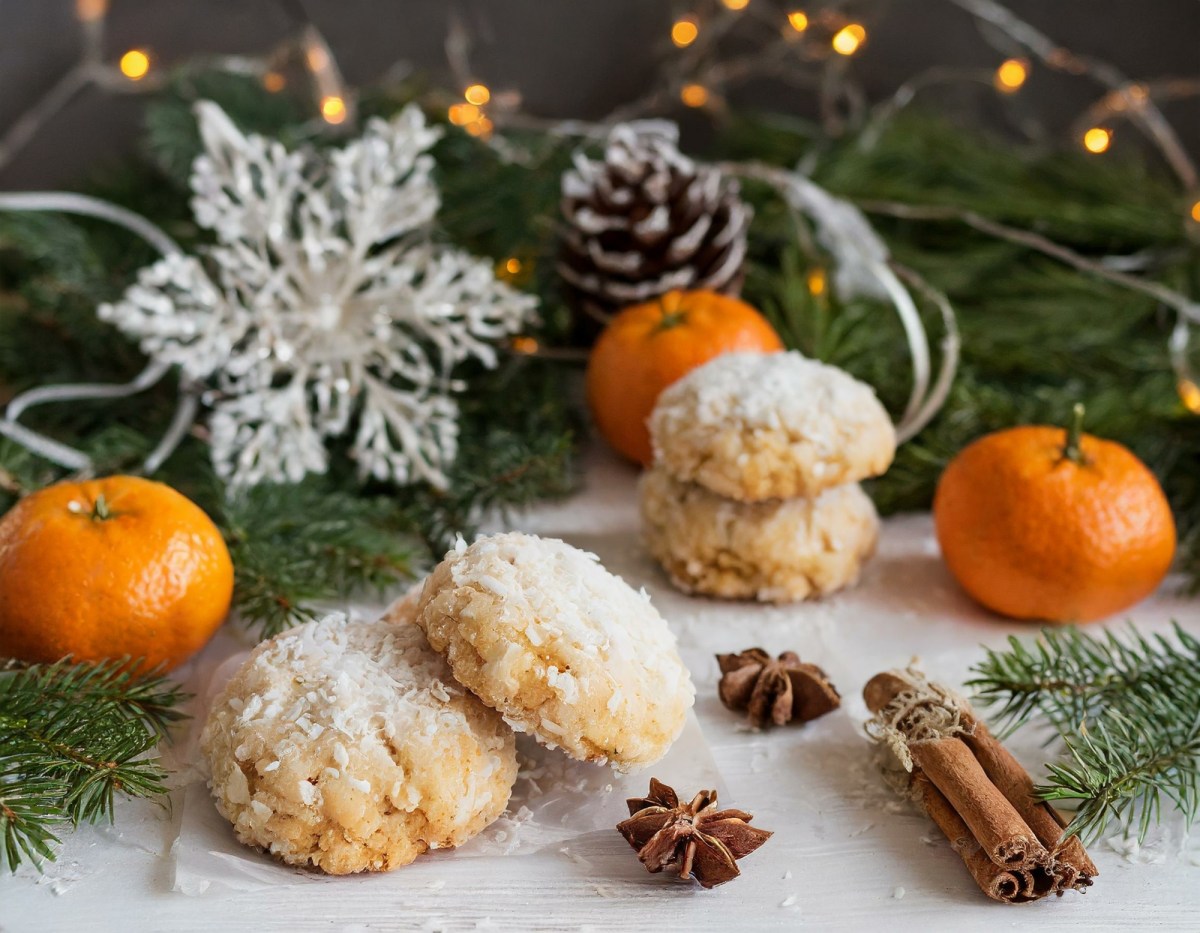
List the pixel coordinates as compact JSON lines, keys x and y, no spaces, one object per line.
{"x":274,"y":82}
{"x":90,"y":11}
{"x":481,"y":127}
{"x":736,"y":4}
{"x":1189,"y":392}
{"x":512,"y":265}
{"x":1011,"y":75}
{"x":798,"y":20}
{"x":524,"y":345}
{"x":694,"y":95}
{"x":462,"y":114}
{"x":134,"y":64}
{"x":817,"y":282}
{"x":848,"y":39}
{"x":333,"y":109}
{"x":477,"y":94}
{"x":684,"y":32}
{"x":1196,"y":212}
{"x":1097,"y":140}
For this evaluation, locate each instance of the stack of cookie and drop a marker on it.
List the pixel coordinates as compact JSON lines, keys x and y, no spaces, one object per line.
{"x":358,"y":746}
{"x":754,"y":489}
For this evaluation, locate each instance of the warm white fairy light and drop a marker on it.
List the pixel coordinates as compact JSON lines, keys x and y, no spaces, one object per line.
{"x":848,"y":39}
{"x":477,"y":94}
{"x":735,"y":4}
{"x":1097,"y":140}
{"x":1011,"y":75}
{"x":694,"y":95}
{"x":684,"y":32}
{"x":333,"y":109}
{"x":135,"y":64}
{"x":1189,"y":393}
{"x":798,"y":20}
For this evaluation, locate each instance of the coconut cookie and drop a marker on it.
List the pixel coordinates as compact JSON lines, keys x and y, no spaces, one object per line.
{"x":565,"y":650}
{"x":348,"y":746}
{"x":780,"y":550}
{"x":756,"y":426}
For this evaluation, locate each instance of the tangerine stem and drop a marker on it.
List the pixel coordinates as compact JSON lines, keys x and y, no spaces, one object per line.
{"x":100,"y":512}
{"x":1073,"y":450}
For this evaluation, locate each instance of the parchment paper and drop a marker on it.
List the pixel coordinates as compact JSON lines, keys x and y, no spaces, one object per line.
{"x":555,"y":799}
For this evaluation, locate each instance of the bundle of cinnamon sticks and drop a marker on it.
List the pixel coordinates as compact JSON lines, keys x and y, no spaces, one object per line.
{"x":975,"y":790}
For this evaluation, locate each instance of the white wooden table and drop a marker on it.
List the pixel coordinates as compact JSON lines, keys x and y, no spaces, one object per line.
{"x":845,"y":855}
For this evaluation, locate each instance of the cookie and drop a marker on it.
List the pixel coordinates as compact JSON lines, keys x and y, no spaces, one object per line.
{"x":565,"y":650}
{"x":777,"y":551}
{"x":754,"y":426}
{"x":348,"y":746}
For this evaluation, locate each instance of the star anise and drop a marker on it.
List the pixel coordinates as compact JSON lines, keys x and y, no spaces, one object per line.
{"x":703,"y":841}
{"x":775,"y":691}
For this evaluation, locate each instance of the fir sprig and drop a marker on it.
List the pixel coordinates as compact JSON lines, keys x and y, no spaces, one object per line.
{"x":73,"y":736}
{"x":1127,"y":709}
{"x":293,"y":546}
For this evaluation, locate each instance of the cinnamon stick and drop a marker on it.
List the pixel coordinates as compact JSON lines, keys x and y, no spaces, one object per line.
{"x":1015,"y":783}
{"x":1009,"y":885}
{"x":975,"y":791}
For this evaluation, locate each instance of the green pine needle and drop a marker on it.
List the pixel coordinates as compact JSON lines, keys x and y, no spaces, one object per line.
{"x":72,"y":737}
{"x":1127,"y":709}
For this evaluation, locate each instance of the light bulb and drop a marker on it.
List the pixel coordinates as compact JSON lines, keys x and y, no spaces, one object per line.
{"x":684,"y":32}
{"x":848,"y":39}
{"x":462,"y":114}
{"x":1189,"y":392}
{"x":134,"y":64}
{"x":798,"y":20}
{"x":1097,"y":139}
{"x":1011,"y":75}
{"x":477,"y":94}
{"x":817,"y":281}
{"x":333,"y":109}
{"x":694,"y":95}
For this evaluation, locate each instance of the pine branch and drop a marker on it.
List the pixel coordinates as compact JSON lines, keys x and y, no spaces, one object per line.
{"x":30,"y":810}
{"x":143,"y":697}
{"x":1127,"y":709}
{"x":73,"y":736}
{"x":293,"y":546}
{"x":1122,"y":771}
{"x":1070,"y":677}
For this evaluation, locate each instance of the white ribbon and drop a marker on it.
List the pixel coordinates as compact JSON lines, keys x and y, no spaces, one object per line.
{"x":862,"y":268}
{"x":47,"y":447}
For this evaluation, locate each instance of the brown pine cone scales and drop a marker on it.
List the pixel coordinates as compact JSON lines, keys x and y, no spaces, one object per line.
{"x":644,"y":220}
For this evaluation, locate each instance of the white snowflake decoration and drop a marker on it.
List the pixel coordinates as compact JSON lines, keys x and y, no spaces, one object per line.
{"x":329,"y":309}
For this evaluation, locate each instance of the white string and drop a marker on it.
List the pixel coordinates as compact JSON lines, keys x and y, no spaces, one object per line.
{"x":951,"y":346}
{"x":71,"y":203}
{"x":918,"y":343}
{"x":862,"y":262}
{"x":47,"y":447}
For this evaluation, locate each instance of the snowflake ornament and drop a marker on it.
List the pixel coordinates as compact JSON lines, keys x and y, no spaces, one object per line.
{"x":324,"y":309}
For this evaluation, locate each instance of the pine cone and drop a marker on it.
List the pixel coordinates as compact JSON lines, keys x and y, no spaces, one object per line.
{"x":645,"y":220}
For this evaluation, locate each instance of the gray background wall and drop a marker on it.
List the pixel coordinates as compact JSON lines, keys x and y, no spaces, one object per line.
{"x":567,"y":57}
